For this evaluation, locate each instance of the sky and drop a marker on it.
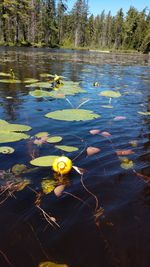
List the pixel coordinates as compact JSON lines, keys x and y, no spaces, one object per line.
{"x":97,"y":6}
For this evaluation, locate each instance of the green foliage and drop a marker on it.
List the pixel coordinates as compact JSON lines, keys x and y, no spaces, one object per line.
{"x":45,"y":161}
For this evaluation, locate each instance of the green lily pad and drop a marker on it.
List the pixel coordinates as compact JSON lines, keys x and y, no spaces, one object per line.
{"x":147,"y":113}
{"x":10,"y":127}
{"x":6,"y":150}
{"x":46,"y":75}
{"x":107,"y":106}
{"x":40,"y":93}
{"x":51,"y":264}
{"x":6,"y":137}
{"x":10,"y":81}
{"x":4,"y":74}
{"x":72,"y":115}
{"x":48,"y":186}
{"x":110,"y":94}
{"x":45,"y":161}
{"x":41,"y":134}
{"x":67,"y":148}
{"x":40,"y":85}
{"x":54,"y":139}
{"x":30,"y":80}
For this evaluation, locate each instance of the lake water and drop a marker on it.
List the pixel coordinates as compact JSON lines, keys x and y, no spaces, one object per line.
{"x":84,"y":238}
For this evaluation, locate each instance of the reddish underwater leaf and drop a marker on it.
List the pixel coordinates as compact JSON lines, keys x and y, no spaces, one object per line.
{"x":92,"y":150}
{"x":59,"y":189}
{"x":105,"y":134}
{"x":119,"y":118}
{"x":124,"y":152}
{"x":95,"y":131}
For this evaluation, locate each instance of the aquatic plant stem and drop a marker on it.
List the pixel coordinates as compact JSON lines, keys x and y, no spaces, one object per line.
{"x":6,"y":258}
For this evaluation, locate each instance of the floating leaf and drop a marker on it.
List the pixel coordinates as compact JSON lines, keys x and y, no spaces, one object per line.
{"x":119,"y":118}
{"x":110,"y":93}
{"x":72,"y":115}
{"x":41,"y":85}
{"x":41,"y":134}
{"x":10,"y":81}
{"x":6,"y":137}
{"x":147,"y":113}
{"x":105,"y":134}
{"x":46,"y":75}
{"x":92,"y":150}
{"x":67,"y":148}
{"x":6,"y":150}
{"x":51,"y":264}
{"x":17,"y":169}
{"x":59,"y":190}
{"x":45,"y":161}
{"x":48,"y":186}
{"x":124,"y":152}
{"x":54,"y":139}
{"x":39,"y":93}
{"x":107,"y":106}
{"x":4,"y":74}
{"x":133,"y":143}
{"x":9,"y":127}
{"x":30,"y":80}
{"x":95,"y":131}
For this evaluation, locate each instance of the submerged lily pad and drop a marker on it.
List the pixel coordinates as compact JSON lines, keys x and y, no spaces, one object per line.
{"x":67,"y":148}
{"x":6,"y":150}
{"x":54,"y":139}
{"x":48,"y":186}
{"x":110,"y":93}
{"x":17,"y":169}
{"x":126,"y":163}
{"x":72,"y":115}
{"x":40,"y":84}
{"x":45,"y":161}
{"x":39,"y":93}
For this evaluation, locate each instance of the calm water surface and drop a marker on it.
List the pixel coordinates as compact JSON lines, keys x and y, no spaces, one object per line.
{"x":121,"y":236}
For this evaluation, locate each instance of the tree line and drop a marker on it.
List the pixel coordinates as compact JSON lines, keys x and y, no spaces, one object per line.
{"x":49,"y":23}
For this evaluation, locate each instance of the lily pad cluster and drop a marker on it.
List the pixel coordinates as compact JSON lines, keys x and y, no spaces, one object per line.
{"x":12,"y":132}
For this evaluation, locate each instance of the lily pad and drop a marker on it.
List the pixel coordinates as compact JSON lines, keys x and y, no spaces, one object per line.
{"x":6,"y":137}
{"x":147,"y":113}
{"x":6,"y":150}
{"x":40,"y":93}
{"x":67,"y":148}
{"x":4,"y":74}
{"x":17,"y":169}
{"x":110,"y":94}
{"x":10,"y":81}
{"x":48,"y":186}
{"x":41,"y":134}
{"x":45,"y":161}
{"x":10,"y":127}
{"x":107,"y":106}
{"x":51,"y":264}
{"x":54,"y":139}
{"x":40,"y":85}
{"x":30,"y":80}
{"x":46,"y":75}
{"x":72,"y":115}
